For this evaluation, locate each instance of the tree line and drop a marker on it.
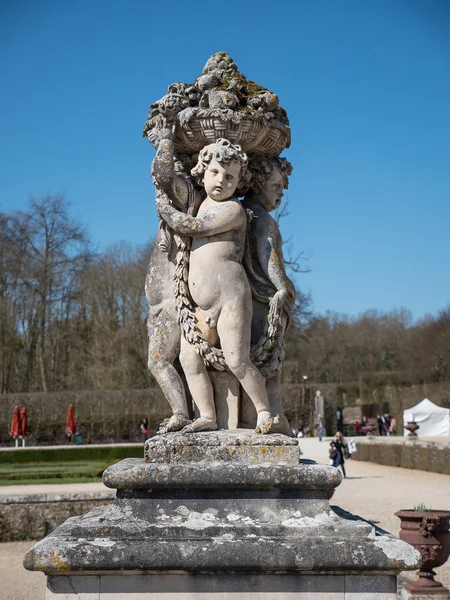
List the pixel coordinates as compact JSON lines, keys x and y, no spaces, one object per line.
{"x":72,"y":318}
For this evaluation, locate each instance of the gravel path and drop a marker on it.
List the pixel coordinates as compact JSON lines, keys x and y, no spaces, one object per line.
{"x":372,"y":491}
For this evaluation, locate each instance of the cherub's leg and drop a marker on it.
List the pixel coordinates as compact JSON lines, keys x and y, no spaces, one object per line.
{"x":280,"y":422}
{"x":163,"y":349}
{"x":233,"y":327}
{"x":201,"y":388}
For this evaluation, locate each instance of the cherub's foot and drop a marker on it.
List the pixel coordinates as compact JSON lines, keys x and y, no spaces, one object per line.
{"x":281,"y":425}
{"x":264,"y":422}
{"x":175,"y":423}
{"x":200,"y":424}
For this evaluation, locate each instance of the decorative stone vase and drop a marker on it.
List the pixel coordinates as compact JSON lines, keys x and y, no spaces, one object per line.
{"x":412,"y":427}
{"x":429,"y":533}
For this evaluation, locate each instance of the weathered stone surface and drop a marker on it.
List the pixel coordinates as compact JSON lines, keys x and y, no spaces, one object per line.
{"x":133,"y":473}
{"x":112,"y":539}
{"x":239,"y":446}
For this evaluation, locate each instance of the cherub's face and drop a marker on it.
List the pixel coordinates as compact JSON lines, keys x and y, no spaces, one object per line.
{"x":221,"y":180}
{"x":272,"y":191}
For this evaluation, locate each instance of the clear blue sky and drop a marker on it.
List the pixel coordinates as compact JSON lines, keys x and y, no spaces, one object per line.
{"x":366,"y":85}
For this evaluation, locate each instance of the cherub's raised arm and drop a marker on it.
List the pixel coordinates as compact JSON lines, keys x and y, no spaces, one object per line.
{"x":163,"y":171}
{"x":218,"y":220}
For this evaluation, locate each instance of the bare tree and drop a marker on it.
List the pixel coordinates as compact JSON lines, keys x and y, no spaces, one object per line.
{"x":53,"y":249}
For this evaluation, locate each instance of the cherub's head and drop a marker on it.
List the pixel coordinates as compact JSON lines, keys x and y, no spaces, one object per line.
{"x":221,"y":167}
{"x":269,"y":179}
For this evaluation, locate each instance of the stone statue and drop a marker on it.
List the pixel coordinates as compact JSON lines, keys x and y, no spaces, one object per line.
{"x":223,"y":298}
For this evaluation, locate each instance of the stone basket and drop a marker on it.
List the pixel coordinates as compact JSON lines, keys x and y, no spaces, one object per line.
{"x":260,"y":138}
{"x":255,"y":137}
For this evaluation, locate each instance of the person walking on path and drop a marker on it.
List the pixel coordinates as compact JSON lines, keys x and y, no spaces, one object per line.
{"x":338,"y":449}
{"x":319,"y":427}
{"x":380,"y":423}
{"x":144,"y":429}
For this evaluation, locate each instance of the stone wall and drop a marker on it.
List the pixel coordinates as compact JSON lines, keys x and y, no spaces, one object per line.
{"x":419,"y":454}
{"x":32,"y":517}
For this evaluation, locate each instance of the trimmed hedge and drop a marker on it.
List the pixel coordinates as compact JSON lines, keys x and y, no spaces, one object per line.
{"x":108,"y":454}
{"x":408,"y":454}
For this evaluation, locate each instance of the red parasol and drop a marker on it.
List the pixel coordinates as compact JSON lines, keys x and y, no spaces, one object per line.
{"x":71,"y":426}
{"x":15,"y":430}
{"x":23,"y":422}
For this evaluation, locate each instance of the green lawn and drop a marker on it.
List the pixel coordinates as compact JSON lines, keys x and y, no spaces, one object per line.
{"x":52,"y":472}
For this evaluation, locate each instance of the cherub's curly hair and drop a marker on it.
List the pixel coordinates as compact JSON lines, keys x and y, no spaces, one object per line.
{"x":261,"y":167}
{"x":224,"y":152}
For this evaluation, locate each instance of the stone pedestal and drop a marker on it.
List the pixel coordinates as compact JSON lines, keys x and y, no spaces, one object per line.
{"x":220,"y":516}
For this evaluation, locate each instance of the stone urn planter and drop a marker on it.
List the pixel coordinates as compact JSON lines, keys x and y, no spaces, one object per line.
{"x":412,"y":427}
{"x":429,"y":533}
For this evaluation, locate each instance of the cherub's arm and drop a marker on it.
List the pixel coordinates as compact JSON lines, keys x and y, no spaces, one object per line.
{"x":217,"y":220}
{"x":272,"y":261}
{"x":163,"y":170}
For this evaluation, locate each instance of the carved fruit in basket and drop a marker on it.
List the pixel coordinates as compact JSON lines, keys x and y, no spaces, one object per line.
{"x":220,"y":64}
{"x":222,"y":99}
{"x":171,"y":104}
{"x":194,"y":94}
{"x":206,"y":82}
{"x":264,"y":100}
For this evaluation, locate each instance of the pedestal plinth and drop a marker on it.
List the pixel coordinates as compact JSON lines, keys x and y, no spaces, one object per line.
{"x":215,"y":516}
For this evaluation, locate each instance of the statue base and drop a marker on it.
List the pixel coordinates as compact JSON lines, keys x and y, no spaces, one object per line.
{"x":220,"y":515}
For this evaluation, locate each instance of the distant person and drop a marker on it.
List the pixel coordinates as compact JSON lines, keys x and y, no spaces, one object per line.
{"x":338,"y":448}
{"x":380,"y":421}
{"x":393,"y":426}
{"x":340,"y":419}
{"x":144,"y":429}
{"x":301,"y":432}
{"x":364,"y":424}
{"x":357,"y":427}
{"x":319,"y":427}
{"x":386,"y":424}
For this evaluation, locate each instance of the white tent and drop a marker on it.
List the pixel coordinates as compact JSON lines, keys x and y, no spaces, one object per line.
{"x":433,"y":420}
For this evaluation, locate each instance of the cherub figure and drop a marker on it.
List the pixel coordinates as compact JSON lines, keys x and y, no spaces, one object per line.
{"x":217,"y":280}
{"x":272,"y":290}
